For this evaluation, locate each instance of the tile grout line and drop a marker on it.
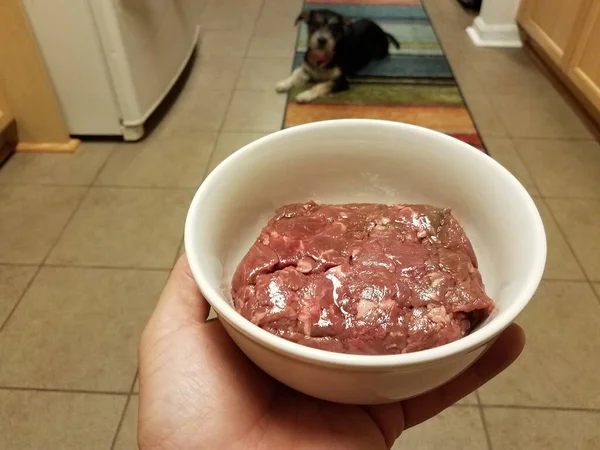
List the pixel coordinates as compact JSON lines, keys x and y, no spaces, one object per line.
{"x":62,"y":391}
{"x":245,"y":55}
{"x":233,"y":90}
{"x":488,"y":96}
{"x":33,"y":278}
{"x":131,"y":393}
{"x":122,"y":419}
{"x":100,"y":267}
{"x":461,"y":91}
{"x":222,"y":124}
{"x":179,"y":248}
{"x":17,"y":264}
{"x":564,"y":280}
{"x":483,"y":139}
{"x":135,"y":378}
{"x":100,"y":186}
{"x":488,"y":439}
{"x":144,"y":188}
{"x":247,"y":49}
{"x":482,"y":414}
{"x":120,"y":424}
{"x":59,"y":236}
{"x":544,"y":408}
{"x":558,"y":226}
{"x":54,"y":244}
{"x":103,"y":166}
{"x":540,"y":195}
{"x":564,"y":236}
{"x":219,"y":130}
{"x":546,"y":138}
{"x":557,"y":197}
{"x":597,"y":294}
{"x":18,"y":302}
{"x":480,"y":406}
{"x":293,"y":58}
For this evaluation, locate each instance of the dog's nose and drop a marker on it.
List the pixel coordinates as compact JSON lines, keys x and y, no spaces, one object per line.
{"x":322,"y":41}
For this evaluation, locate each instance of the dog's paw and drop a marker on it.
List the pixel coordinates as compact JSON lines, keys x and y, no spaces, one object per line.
{"x":282,"y":86}
{"x":305,"y":97}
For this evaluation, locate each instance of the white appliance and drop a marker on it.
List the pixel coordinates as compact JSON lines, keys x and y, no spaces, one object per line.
{"x":113,"y":61}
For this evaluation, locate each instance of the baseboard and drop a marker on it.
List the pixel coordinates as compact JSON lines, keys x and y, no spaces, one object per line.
{"x":485,"y":35}
{"x":55,"y":147}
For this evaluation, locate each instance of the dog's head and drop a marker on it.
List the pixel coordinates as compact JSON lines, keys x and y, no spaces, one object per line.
{"x":325,"y":29}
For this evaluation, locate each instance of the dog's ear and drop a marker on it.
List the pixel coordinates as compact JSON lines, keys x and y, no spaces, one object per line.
{"x":304,"y":16}
{"x":347,"y":23}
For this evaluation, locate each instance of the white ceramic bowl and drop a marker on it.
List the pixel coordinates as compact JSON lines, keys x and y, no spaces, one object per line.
{"x":347,"y":161}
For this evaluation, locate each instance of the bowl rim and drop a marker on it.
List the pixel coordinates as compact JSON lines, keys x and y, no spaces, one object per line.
{"x":262,"y":337}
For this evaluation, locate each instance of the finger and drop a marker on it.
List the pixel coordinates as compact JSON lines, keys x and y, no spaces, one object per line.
{"x":181,"y":301}
{"x":393,"y":418}
{"x":389,"y":419}
{"x":502,"y":354}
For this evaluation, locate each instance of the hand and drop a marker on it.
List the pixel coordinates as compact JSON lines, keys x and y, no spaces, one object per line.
{"x":199,"y":391}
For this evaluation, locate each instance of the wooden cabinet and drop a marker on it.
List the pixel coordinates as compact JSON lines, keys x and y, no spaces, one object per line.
{"x":5,"y":116}
{"x":584,"y":67}
{"x":551,"y":23}
{"x":27,"y":88}
{"x":6,"y":133}
{"x":5,"y":119}
{"x":567,"y":32}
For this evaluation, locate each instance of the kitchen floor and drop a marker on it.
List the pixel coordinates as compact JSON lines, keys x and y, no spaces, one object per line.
{"x":87,"y":241}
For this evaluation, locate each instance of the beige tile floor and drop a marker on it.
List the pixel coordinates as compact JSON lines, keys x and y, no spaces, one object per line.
{"x":87,"y":241}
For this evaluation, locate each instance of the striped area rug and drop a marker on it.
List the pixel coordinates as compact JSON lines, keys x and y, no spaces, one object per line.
{"x":414,"y":85}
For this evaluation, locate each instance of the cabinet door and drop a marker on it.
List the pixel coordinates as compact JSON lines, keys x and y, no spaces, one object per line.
{"x":554,"y":25}
{"x":5,"y":116}
{"x":4,"y":120}
{"x":584,"y":66}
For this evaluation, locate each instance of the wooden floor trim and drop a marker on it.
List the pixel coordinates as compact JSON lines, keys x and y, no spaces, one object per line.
{"x":50,"y":147}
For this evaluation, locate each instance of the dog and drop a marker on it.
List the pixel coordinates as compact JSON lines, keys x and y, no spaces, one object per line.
{"x":337,"y":49}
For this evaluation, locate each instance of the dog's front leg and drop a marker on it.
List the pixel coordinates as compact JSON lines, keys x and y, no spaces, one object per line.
{"x":318,"y":90}
{"x":298,"y":77}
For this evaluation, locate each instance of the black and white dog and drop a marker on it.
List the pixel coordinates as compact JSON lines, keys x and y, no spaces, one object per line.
{"x":337,"y":49}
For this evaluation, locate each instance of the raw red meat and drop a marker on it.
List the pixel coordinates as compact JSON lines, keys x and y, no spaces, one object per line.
{"x":362,"y":278}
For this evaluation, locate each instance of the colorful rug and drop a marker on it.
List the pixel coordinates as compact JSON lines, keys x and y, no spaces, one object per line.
{"x":414,"y":85}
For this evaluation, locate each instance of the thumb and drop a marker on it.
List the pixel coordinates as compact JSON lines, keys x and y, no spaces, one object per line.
{"x":181,"y":302}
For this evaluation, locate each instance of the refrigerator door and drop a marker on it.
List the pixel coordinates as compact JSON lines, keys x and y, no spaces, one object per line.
{"x":146,"y":45}
{"x":67,"y":37}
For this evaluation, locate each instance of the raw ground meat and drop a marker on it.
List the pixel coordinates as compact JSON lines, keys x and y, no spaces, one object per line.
{"x":362,"y":278}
